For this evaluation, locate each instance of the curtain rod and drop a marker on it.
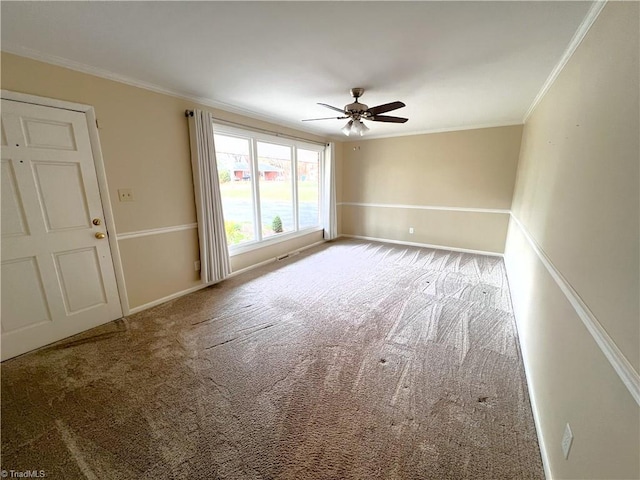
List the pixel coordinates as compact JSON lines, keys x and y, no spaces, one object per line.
{"x":189,"y":113}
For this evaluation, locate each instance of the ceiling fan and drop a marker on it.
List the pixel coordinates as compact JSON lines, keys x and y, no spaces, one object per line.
{"x":356,"y":112}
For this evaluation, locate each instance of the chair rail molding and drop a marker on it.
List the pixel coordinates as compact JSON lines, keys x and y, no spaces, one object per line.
{"x":156,"y":231}
{"x":616,"y":358}
{"x":426,"y":207}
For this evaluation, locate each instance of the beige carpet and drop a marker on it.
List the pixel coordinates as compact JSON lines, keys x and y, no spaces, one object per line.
{"x":353,"y":360}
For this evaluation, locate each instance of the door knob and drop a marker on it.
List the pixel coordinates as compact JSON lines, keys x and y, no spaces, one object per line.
{"x":100,"y":235}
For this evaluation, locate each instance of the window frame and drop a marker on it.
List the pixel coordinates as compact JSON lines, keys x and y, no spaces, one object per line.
{"x":254,"y":137}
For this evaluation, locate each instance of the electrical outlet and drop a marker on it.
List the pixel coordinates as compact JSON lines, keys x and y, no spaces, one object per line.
{"x":567,"y":440}
{"x":196,"y":265}
{"x":125,"y":195}
{"x":411,"y":230}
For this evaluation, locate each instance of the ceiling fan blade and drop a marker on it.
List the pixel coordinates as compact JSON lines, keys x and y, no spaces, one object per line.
{"x":325,"y":118}
{"x":387,"y":107}
{"x":386,"y":118}
{"x":332,"y":108}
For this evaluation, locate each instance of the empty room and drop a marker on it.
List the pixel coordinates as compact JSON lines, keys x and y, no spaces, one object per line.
{"x":320,"y":240}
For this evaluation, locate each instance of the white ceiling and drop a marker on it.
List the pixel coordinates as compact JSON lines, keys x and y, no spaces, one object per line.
{"x":455,"y":64}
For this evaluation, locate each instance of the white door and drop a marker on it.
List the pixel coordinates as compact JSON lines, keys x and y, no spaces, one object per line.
{"x":57,"y":273}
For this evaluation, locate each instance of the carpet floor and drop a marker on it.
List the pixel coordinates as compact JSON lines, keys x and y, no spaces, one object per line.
{"x":351,"y":360}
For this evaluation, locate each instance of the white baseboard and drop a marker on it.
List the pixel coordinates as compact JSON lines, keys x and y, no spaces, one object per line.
{"x":536,"y":420}
{"x":182,"y":293}
{"x":315,"y":244}
{"x":251,"y":267}
{"x":173,"y":296}
{"x":271,"y":260}
{"x":425,"y":245}
{"x":530,"y":388}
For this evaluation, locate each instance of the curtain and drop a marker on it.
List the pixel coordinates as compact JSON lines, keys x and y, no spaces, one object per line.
{"x":329,"y":215}
{"x":214,"y":254}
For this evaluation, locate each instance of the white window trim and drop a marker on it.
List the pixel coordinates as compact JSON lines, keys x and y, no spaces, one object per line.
{"x":245,"y":133}
{"x":257,"y":245}
{"x":253,"y":137}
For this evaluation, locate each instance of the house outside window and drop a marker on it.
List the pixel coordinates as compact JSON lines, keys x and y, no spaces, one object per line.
{"x":270,"y":186}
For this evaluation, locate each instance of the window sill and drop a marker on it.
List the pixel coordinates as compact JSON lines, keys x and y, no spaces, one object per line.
{"x":249,"y":247}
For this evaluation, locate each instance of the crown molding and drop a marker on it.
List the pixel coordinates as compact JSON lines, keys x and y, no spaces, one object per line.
{"x":581,"y":32}
{"x":108,"y":75}
{"x":507,"y":123}
{"x":575,"y":42}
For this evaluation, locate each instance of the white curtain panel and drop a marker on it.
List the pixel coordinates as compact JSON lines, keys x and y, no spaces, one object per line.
{"x":329,"y":215}
{"x":214,"y":254}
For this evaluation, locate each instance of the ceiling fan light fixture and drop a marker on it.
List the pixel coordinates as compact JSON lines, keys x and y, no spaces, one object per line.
{"x":359,"y":128}
{"x":347,"y":129}
{"x":356,"y":129}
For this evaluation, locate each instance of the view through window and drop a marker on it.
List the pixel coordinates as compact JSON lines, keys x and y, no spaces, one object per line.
{"x":268,"y":187}
{"x":308,"y":188}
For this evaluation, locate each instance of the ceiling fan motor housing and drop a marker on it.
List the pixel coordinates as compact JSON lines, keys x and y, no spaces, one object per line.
{"x":356,"y":112}
{"x":356,"y":107}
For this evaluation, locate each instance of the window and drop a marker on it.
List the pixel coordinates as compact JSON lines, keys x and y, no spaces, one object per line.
{"x":270,"y":186}
{"x":276,"y":189}
{"x":308,"y":166}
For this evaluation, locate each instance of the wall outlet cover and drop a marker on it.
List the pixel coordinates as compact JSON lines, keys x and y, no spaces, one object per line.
{"x":125,"y":195}
{"x":567,"y":440}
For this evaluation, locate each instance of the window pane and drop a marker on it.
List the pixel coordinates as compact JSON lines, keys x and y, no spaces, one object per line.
{"x":234,"y":174}
{"x":276,"y":190}
{"x":308,"y":188}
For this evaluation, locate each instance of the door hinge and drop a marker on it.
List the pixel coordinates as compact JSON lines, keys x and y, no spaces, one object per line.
{"x":97,"y":124}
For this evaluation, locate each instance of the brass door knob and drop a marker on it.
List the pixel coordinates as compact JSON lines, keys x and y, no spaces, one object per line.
{"x":100,"y":235}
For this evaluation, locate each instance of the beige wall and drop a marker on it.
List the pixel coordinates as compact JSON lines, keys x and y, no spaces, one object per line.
{"x":465,"y":169}
{"x":577,"y":194}
{"x":154,"y":273}
{"x":467,"y":230}
{"x":145,"y":144}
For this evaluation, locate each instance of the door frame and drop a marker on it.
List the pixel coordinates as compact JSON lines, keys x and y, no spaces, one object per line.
{"x":101,"y":174}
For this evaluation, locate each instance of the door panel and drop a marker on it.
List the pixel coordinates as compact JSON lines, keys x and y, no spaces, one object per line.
{"x":48,"y":134}
{"x":14,"y":223}
{"x":19,"y":276}
{"x":57,"y":276}
{"x":62,"y":195}
{"x":80,"y":279}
